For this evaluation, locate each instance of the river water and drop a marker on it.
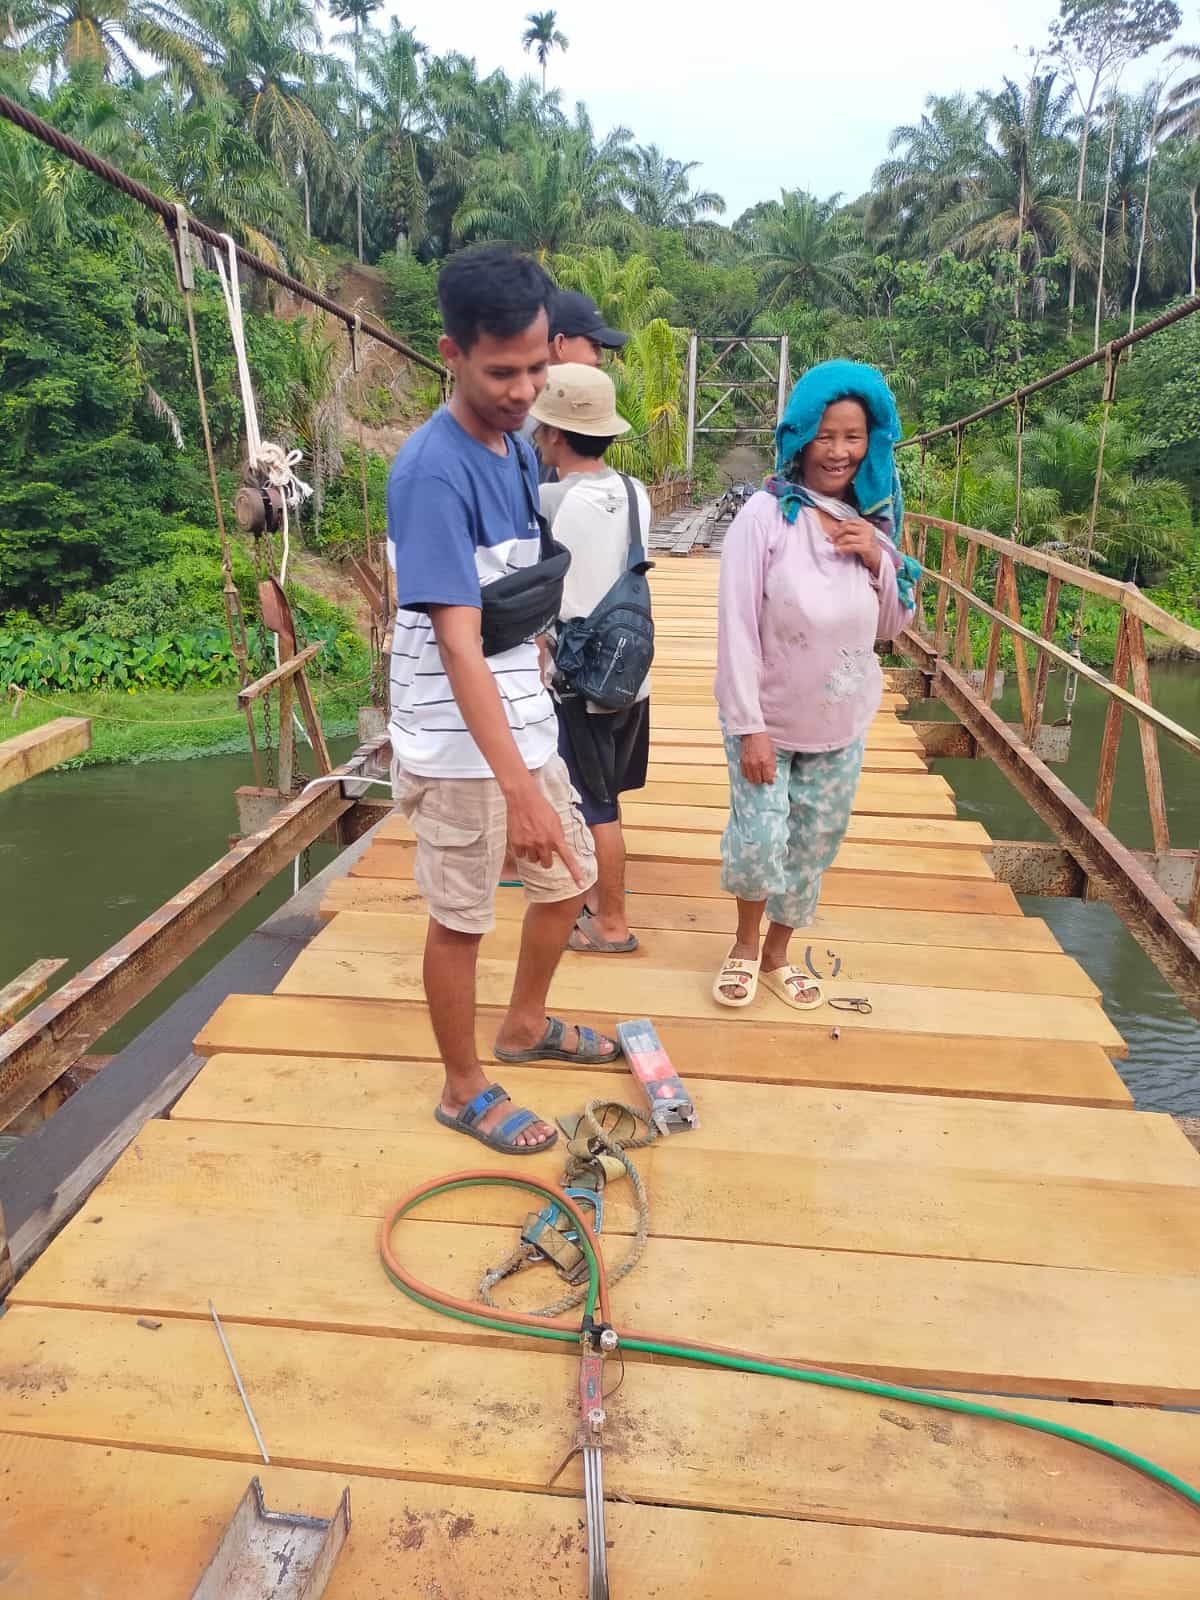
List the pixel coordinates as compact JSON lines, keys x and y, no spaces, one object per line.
{"x":85,"y":855}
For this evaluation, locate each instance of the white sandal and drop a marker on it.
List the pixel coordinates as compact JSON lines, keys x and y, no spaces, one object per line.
{"x":736,"y":973}
{"x":780,"y":981}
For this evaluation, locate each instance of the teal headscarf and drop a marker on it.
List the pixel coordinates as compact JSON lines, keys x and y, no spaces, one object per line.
{"x":876,"y":484}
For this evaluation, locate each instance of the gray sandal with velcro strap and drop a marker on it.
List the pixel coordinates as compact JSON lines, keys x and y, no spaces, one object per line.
{"x":503,"y":1136}
{"x":589,"y":1053}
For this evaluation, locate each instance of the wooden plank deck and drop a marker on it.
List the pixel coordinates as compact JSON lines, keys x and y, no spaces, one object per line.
{"x":954,"y":1191}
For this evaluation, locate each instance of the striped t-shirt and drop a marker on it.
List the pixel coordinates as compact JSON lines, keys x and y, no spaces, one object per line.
{"x":458,"y":518}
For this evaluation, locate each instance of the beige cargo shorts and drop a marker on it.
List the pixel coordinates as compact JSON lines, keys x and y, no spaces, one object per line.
{"x":462,"y":837}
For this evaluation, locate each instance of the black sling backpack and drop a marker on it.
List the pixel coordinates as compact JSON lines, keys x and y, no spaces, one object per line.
{"x":605,"y":656}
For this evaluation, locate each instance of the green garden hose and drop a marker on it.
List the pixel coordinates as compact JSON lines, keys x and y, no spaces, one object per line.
{"x":706,"y":1355}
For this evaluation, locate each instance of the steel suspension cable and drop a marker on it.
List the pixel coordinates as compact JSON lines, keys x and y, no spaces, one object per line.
{"x":21,"y":117}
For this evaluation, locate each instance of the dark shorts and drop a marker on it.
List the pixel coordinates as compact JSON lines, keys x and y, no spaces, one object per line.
{"x":606,"y":753}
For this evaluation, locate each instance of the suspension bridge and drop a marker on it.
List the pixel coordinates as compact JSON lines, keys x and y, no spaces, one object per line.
{"x":949,"y":1188}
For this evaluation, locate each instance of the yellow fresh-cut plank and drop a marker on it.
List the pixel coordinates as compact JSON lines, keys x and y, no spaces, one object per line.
{"x":868,"y":925}
{"x":696,"y":951}
{"x":143,"y":1522}
{"x":910,"y":1130}
{"x":757,"y":1052}
{"x":588,"y":987}
{"x":720,"y":1196}
{"x":505,"y":1418}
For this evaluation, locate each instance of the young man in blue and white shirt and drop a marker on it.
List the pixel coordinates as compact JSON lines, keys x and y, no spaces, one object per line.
{"x":474,"y":737}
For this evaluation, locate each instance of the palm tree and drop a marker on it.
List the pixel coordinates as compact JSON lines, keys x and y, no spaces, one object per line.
{"x":1183,"y":184}
{"x":1183,"y":115}
{"x":649,"y":381}
{"x":102,"y":33}
{"x":1138,"y":515}
{"x":543,"y":35}
{"x":661,"y":195}
{"x":200,"y":152}
{"x":804,"y":249}
{"x":401,"y":125}
{"x":359,"y":13}
{"x":47,"y":199}
{"x":629,"y":293}
{"x":272,"y":68}
{"x":1017,"y":199}
{"x":472,"y":117}
{"x":550,"y":193}
{"x":1134,"y":125}
{"x":930,"y":168}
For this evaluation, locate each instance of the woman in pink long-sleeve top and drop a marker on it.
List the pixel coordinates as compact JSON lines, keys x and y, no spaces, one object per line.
{"x":810,"y":580}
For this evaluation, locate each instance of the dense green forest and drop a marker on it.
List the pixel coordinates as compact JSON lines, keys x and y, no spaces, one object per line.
{"x":1002,"y":233}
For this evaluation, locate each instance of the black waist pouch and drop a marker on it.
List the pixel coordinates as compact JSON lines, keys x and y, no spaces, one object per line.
{"x":525,"y":603}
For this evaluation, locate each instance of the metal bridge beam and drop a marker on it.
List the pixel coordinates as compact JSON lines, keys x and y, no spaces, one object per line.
{"x":720,"y":346}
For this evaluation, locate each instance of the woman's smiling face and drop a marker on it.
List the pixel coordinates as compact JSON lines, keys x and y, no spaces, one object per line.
{"x":839,"y":449}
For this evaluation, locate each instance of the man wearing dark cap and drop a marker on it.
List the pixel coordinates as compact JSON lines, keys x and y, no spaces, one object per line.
{"x":578,"y":332}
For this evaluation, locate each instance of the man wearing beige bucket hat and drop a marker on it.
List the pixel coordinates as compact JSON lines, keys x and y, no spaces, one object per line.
{"x":590,"y":508}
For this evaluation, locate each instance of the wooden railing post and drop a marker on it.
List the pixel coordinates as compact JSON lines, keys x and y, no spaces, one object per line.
{"x":1155,"y":796}
{"x":922,"y":546}
{"x":964,"y":654}
{"x":949,"y":569}
{"x":1041,"y":677}
{"x":1013,"y":607}
{"x":1110,"y":743}
{"x":993,"y":650}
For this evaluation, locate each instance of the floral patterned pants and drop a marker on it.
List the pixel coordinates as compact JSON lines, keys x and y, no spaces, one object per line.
{"x":782,"y":835}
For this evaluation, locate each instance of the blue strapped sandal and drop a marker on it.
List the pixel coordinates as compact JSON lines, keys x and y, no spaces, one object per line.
{"x":594,"y":1049}
{"x":502,"y":1137}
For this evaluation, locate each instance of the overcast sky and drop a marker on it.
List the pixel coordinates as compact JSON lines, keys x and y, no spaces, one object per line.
{"x":763,"y":94}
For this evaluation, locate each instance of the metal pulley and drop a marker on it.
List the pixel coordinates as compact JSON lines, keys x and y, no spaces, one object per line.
{"x":258,"y":507}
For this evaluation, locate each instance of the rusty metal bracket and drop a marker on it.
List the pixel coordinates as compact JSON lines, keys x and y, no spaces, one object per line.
{"x":185,"y":262}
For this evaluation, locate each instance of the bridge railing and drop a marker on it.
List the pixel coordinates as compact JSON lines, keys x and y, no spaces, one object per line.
{"x":941,"y":642}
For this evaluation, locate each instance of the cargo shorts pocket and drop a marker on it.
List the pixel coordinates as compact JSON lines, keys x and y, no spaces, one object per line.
{"x":456,"y":869}
{"x":442,"y":834}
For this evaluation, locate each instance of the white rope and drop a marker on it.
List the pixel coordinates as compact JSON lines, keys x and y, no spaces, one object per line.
{"x":269,"y":460}
{"x":275,"y":463}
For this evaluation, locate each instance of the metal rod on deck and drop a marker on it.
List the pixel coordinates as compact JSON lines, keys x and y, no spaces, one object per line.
{"x":237,"y":1378}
